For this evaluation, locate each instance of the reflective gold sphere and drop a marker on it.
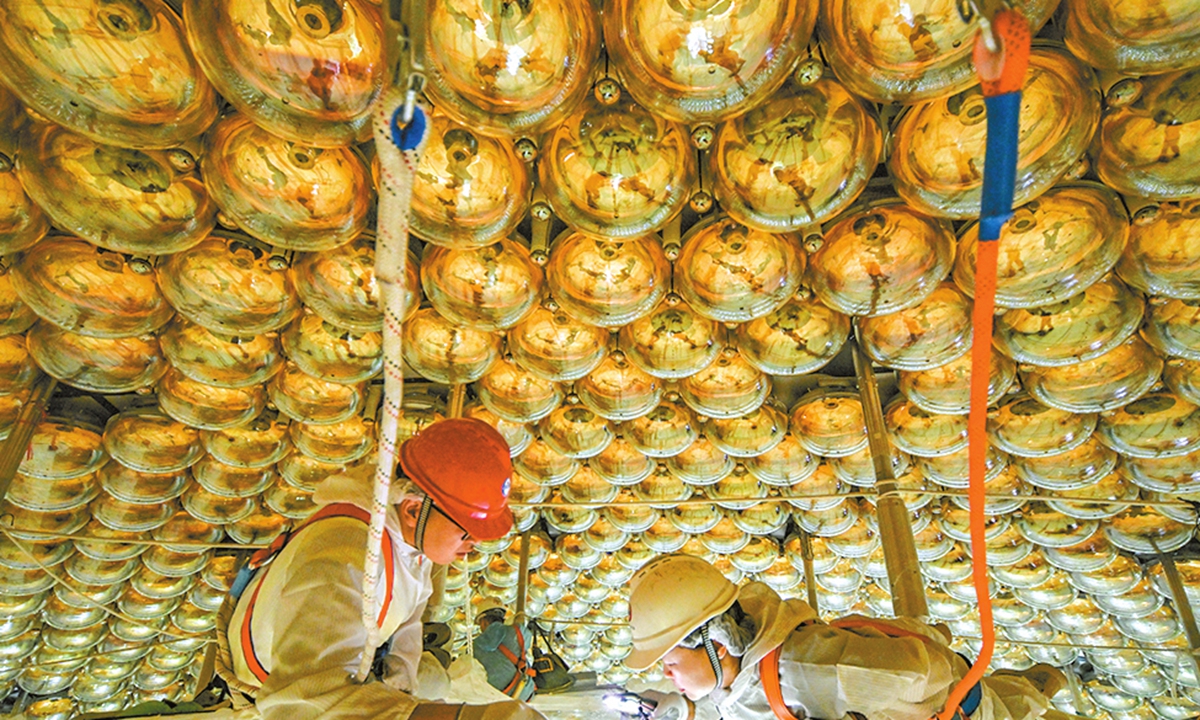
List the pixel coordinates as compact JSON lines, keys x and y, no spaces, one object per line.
{"x":305,"y":398}
{"x":556,"y":346}
{"x":119,"y":72}
{"x":286,"y":192}
{"x":881,"y":259}
{"x":1107,"y":382}
{"x":607,"y":282}
{"x":445,"y":352}
{"x":488,"y":288}
{"x":797,"y":159}
{"x":617,"y":171}
{"x":800,"y":337}
{"x":937,"y":160}
{"x":218,"y":359}
{"x":946,"y":388}
{"x":517,"y":395}
{"x":1159,"y":259}
{"x":208,"y":407}
{"x":921,"y":337}
{"x":1079,"y":328}
{"x":732,"y":273}
{"x":1024,"y":427}
{"x":729,"y":387}
{"x":894,"y":55}
{"x":148,"y":441}
{"x":103,"y":365}
{"x":328,"y":352}
{"x":127,"y":200}
{"x":510,"y":70}
{"x":673,"y":341}
{"x":307,"y":72}
{"x":1052,"y":248}
{"x":229,"y":286}
{"x":706,"y":60}
{"x":1136,"y":39}
{"x":90,"y":291}
{"x":469,"y":191}
{"x":339,"y":285}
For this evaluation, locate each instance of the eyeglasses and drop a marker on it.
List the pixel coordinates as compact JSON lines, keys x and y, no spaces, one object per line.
{"x":465,"y":534}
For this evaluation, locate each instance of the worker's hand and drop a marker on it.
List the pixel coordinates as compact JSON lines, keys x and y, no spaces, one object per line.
{"x":671,"y":706}
{"x":500,"y":711}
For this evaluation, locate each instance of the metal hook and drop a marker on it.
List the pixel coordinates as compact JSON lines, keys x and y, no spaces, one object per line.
{"x":404,"y":46}
{"x":970,"y":10}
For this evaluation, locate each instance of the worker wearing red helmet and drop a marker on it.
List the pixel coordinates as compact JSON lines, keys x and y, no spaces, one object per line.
{"x":296,"y":634}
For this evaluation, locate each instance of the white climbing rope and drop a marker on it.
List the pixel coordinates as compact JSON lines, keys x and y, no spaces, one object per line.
{"x":398,"y":167}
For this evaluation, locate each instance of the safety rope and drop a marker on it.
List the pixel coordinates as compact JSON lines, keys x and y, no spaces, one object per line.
{"x":399,"y":145}
{"x":1001,"y":57}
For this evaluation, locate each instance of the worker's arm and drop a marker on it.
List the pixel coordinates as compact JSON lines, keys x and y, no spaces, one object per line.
{"x":833,"y":671}
{"x":403,"y":659}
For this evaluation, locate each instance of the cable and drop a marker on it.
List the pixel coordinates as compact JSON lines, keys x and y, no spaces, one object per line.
{"x":88,"y":601}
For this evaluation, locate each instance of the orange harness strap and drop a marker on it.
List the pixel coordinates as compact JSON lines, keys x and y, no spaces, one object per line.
{"x":329,"y":511}
{"x":523,"y":670}
{"x":769,"y":665}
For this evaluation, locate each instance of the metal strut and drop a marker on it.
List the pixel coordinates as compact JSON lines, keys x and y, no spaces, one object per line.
{"x":895,"y":527}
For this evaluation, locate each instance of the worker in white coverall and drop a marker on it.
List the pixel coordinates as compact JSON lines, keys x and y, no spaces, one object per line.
{"x":297,"y":634}
{"x":716,"y":642}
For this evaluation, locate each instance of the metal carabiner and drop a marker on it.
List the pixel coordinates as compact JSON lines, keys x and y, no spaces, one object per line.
{"x":970,"y":10}
{"x":404,"y":23}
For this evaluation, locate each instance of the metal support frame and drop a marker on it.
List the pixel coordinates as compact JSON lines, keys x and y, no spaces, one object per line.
{"x":12,"y":452}
{"x":810,"y":575}
{"x":1179,"y":598}
{"x":895,"y":527}
{"x":522,"y":578}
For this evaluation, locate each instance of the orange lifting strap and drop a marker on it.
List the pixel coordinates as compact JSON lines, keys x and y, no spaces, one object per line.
{"x":523,"y":670}
{"x":769,"y":666}
{"x":329,"y":511}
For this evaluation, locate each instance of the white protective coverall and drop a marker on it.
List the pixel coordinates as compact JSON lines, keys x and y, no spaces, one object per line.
{"x":826,"y":672}
{"x":307,"y":624}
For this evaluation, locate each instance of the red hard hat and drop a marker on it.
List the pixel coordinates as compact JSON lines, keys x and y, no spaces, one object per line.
{"x":463,"y":465}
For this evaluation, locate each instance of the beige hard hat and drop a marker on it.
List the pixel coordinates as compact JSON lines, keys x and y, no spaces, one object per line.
{"x":488,"y":604}
{"x":669,"y":598}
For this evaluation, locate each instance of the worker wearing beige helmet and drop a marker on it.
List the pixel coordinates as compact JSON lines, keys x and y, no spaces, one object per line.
{"x":746,"y":654}
{"x":296,"y":636}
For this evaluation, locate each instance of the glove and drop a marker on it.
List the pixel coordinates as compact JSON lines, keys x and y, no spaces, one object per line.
{"x":670,"y":706}
{"x":500,"y":711}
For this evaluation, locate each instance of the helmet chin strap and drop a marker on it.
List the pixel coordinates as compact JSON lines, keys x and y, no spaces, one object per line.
{"x":713,"y":658}
{"x":422,"y":521}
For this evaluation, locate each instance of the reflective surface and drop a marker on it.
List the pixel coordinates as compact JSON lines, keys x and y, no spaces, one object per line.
{"x":729,"y":272}
{"x":1147,"y":138}
{"x":921,"y":53}
{"x":98,"y":83}
{"x":797,"y":159}
{"x":667,"y":52}
{"x":306,"y":72}
{"x":938,"y":156}
{"x":616,"y":170}
{"x":284,"y":192}
{"x":880,"y":260}
{"x":510,"y":71}
{"x":133,"y":201}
